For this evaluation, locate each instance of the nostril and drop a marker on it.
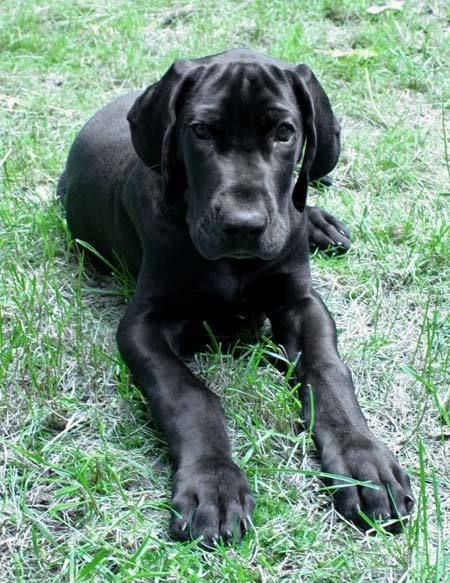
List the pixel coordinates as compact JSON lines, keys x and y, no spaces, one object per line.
{"x":245,"y":223}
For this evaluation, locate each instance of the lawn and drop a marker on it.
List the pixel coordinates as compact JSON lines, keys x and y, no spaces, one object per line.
{"x":84,"y":474}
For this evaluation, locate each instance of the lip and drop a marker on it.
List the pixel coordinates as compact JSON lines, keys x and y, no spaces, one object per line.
{"x":227,"y":255}
{"x":239,"y":255}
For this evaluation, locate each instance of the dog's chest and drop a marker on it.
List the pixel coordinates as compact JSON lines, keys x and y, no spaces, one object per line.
{"x":217,"y":287}
{"x":220,"y":287}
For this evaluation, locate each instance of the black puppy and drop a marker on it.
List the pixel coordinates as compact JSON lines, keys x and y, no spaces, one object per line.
{"x":199,"y":201}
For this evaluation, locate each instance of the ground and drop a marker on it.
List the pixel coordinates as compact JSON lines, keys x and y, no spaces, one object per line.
{"x":84,"y":473}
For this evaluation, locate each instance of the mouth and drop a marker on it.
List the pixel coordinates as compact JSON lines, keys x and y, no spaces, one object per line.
{"x":213,"y":246}
{"x":239,"y":255}
{"x":226,"y":254}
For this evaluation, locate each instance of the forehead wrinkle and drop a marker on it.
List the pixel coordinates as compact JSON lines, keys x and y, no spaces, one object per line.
{"x":254,"y":89}
{"x":242,"y":78}
{"x":254,"y":80}
{"x":235,"y":94}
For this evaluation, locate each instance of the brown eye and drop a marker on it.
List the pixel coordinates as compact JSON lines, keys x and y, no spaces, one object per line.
{"x":201,"y":130}
{"x":284,"y":132}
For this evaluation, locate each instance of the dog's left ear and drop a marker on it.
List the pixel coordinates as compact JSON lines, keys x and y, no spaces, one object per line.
{"x":152,"y":122}
{"x":322,"y":130}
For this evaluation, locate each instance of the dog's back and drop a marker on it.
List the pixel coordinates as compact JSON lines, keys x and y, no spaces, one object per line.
{"x":93,"y":177}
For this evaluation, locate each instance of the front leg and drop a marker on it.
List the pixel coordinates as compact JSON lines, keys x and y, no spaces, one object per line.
{"x":346,"y":445}
{"x":210,"y":497}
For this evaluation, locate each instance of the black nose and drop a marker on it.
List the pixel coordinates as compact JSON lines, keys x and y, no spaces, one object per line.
{"x":250,"y":222}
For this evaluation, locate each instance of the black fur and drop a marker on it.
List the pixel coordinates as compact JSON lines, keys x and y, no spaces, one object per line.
{"x":201,"y":204}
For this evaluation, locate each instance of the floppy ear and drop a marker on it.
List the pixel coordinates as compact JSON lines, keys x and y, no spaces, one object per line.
{"x":322,"y":131}
{"x":152,"y":122}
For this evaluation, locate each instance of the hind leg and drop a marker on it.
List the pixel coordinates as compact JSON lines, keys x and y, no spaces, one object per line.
{"x":61,"y":187}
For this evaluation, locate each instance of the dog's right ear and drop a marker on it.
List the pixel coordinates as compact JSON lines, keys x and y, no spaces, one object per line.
{"x":322,"y":131}
{"x":152,"y":122}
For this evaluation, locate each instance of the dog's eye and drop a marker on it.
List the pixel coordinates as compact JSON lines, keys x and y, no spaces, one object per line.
{"x":202,"y":131}
{"x":284,"y":132}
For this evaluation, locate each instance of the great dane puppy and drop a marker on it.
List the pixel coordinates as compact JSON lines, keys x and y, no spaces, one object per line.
{"x":200,"y":202}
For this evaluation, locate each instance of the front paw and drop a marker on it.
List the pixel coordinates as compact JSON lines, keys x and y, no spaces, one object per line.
{"x":210,"y":499}
{"x":365,"y":459}
{"x":325,"y":232}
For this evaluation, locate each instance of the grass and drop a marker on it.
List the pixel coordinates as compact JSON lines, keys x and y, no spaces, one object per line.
{"x":84,"y":474}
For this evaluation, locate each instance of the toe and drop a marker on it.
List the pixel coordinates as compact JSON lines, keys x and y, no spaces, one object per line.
{"x":205,"y":524}
{"x":183,"y":508}
{"x":340,"y":227}
{"x":326,"y":232}
{"x":320,"y":240}
{"x":232,"y":523}
{"x":375,"y":503}
{"x":346,"y":501}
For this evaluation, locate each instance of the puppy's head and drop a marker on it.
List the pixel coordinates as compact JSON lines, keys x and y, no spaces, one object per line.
{"x":226,"y":132}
